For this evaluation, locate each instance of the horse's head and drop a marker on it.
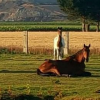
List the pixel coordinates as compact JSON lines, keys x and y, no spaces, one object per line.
{"x":86,"y":52}
{"x":59,"y":31}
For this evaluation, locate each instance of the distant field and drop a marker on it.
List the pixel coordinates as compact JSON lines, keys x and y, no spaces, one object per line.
{"x":43,"y":26}
{"x":44,"y":40}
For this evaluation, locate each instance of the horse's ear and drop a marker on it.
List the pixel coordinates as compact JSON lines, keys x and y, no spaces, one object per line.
{"x":84,"y":45}
{"x":89,"y":45}
{"x":61,"y":28}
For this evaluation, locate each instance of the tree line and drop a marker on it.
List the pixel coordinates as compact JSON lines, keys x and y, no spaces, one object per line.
{"x":87,"y":10}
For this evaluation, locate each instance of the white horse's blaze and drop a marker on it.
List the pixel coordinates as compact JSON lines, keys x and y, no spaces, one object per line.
{"x":58,"y":55}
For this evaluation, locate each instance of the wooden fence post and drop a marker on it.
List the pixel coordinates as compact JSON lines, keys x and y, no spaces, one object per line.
{"x":66,"y":38}
{"x":25,"y":42}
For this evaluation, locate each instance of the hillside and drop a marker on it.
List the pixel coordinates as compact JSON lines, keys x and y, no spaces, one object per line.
{"x":30,"y":10}
{"x":35,"y":1}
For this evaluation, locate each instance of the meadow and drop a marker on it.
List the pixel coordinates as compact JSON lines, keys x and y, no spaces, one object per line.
{"x":18,"y":76}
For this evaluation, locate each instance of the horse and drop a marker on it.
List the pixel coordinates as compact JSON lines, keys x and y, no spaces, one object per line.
{"x":59,"y":44}
{"x":81,"y":55}
{"x":73,"y":65}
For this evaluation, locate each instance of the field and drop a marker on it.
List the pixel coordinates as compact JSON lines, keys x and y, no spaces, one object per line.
{"x":43,"y":41}
{"x":18,"y":76}
{"x":18,"y":71}
{"x":43,"y":26}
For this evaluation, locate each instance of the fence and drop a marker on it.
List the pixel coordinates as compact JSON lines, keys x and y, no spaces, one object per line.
{"x":66,"y":38}
{"x":28,"y":41}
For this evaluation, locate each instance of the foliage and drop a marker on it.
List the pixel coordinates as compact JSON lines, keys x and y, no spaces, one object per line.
{"x":84,"y":9}
{"x":81,"y":8}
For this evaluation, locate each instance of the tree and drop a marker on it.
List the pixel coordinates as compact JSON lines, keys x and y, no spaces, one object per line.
{"x":84,"y":9}
{"x":95,"y":13}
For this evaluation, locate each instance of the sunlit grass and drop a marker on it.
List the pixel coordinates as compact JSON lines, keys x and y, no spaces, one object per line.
{"x":19,"y":72}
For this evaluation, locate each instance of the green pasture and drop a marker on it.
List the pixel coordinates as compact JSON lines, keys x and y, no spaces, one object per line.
{"x":42,"y":26}
{"x":18,"y":74}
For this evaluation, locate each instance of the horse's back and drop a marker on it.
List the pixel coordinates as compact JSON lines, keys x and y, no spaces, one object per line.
{"x":70,"y":67}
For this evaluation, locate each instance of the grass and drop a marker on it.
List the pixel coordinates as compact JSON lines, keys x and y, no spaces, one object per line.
{"x":39,"y":26}
{"x":18,"y":73}
{"x":43,"y":26}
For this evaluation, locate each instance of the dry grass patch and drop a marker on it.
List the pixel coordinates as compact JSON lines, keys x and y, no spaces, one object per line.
{"x":44,"y":40}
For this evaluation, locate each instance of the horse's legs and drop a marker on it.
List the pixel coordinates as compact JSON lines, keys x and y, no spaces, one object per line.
{"x":52,"y":70}
{"x":55,"y":71}
{"x":60,"y":58}
{"x":62,"y":52}
{"x":54,"y":53}
{"x":58,"y":54}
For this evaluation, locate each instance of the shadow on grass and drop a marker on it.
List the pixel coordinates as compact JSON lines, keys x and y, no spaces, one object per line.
{"x":25,"y":97}
{"x":95,"y":76}
{"x":7,"y":71}
{"x":30,"y":60}
{"x":21,"y":71}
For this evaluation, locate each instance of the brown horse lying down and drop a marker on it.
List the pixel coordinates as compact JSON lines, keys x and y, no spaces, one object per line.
{"x":72,"y":65}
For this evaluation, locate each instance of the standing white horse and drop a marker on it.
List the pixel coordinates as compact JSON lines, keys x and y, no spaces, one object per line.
{"x":59,"y":44}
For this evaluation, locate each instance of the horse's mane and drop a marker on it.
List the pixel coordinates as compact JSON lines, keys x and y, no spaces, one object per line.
{"x":74,"y":55}
{"x":77,"y":53}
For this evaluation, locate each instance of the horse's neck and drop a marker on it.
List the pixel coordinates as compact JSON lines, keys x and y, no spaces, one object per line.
{"x":79,"y":56}
{"x":69,"y":58}
{"x":59,"y":42}
{"x":76,"y":57}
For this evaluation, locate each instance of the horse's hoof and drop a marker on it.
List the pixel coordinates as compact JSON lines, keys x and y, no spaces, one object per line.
{"x":66,"y":75}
